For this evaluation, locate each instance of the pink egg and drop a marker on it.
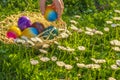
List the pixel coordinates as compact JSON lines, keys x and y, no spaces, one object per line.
{"x":11,"y":35}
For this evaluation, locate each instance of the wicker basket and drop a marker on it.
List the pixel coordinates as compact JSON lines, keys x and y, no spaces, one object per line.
{"x":34,"y":17}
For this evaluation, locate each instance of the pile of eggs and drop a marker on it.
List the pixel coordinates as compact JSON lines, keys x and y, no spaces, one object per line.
{"x":28,"y":29}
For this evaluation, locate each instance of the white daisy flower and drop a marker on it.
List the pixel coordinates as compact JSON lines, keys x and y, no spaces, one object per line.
{"x":73,"y":27}
{"x":68,"y":67}
{"x":116,"y":49}
{"x":62,"y":48}
{"x":89,"y":33}
{"x":93,"y":66}
{"x":115,"y":43}
{"x":73,"y":21}
{"x":106,"y":29}
{"x":44,"y":59}
{"x":114,"y":67}
{"x":118,"y":62}
{"x":80,"y":65}
{"x":54,"y":58}
{"x":81,"y":48}
{"x":80,"y":30}
{"x":19,"y":41}
{"x":117,"y":11}
{"x":64,"y":35}
{"x":77,"y":16}
{"x":109,"y":22}
{"x":89,"y":29}
{"x":99,"y":32}
{"x":116,"y":18}
{"x":34,"y":62}
{"x":60,"y":63}
{"x":113,"y":25}
{"x":111,"y":78}
{"x":98,"y":61}
{"x":43,"y":51}
{"x":70,"y":49}
{"x":76,"y":58}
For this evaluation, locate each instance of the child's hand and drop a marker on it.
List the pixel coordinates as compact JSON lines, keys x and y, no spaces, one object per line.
{"x":59,"y":6}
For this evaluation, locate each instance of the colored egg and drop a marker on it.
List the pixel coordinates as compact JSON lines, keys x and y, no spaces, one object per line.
{"x":11,"y":34}
{"x":38,"y":26}
{"x":30,"y":32}
{"x":50,"y":32}
{"x":16,"y":30}
{"x":24,"y":22}
{"x":50,"y":14}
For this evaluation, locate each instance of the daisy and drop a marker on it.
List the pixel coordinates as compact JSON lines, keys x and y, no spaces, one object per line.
{"x":34,"y":62}
{"x":113,"y":25}
{"x":74,"y":28}
{"x":106,"y":29}
{"x":77,"y":16}
{"x":60,"y":63}
{"x":81,"y":48}
{"x":116,"y":49}
{"x":64,"y":35}
{"x":115,"y":43}
{"x":68,"y":67}
{"x":89,"y":33}
{"x":114,"y":67}
{"x":80,"y":65}
{"x":73,"y":21}
{"x":116,"y":18}
{"x":99,"y":61}
{"x":118,"y":62}
{"x":54,"y":58}
{"x":99,"y":32}
{"x":62,"y":48}
{"x":109,"y":22}
{"x":111,"y":78}
{"x":117,"y":11}
{"x":43,"y":51}
{"x":93,"y":66}
{"x":44,"y":59}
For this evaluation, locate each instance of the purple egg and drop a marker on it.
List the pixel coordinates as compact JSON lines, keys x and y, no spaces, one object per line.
{"x":24,"y":22}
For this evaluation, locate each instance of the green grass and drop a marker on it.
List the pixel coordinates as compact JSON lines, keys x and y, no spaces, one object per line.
{"x":15,"y":59}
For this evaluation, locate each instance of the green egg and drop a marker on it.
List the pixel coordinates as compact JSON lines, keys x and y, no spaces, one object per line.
{"x":50,"y":32}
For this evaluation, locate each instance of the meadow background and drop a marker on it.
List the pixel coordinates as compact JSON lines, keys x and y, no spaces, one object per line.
{"x":23,"y":63}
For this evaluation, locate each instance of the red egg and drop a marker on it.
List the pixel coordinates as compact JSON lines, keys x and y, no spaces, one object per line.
{"x":38,"y":26}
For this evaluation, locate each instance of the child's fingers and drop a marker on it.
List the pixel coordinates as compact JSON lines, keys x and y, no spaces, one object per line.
{"x":59,"y":7}
{"x":42,"y":6}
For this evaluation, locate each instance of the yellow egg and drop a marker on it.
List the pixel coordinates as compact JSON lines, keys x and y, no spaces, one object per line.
{"x":16,"y":30}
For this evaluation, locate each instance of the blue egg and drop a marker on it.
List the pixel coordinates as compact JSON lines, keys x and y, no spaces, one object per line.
{"x":50,"y":32}
{"x":52,"y":16}
{"x":30,"y":32}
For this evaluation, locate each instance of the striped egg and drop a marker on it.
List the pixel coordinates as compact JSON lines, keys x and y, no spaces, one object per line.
{"x":50,"y":32}
{"x":50,"y":14}
{"x":30,"y":32}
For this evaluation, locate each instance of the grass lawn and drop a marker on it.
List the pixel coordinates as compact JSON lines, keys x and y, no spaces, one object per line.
{"x":93,"y":56}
